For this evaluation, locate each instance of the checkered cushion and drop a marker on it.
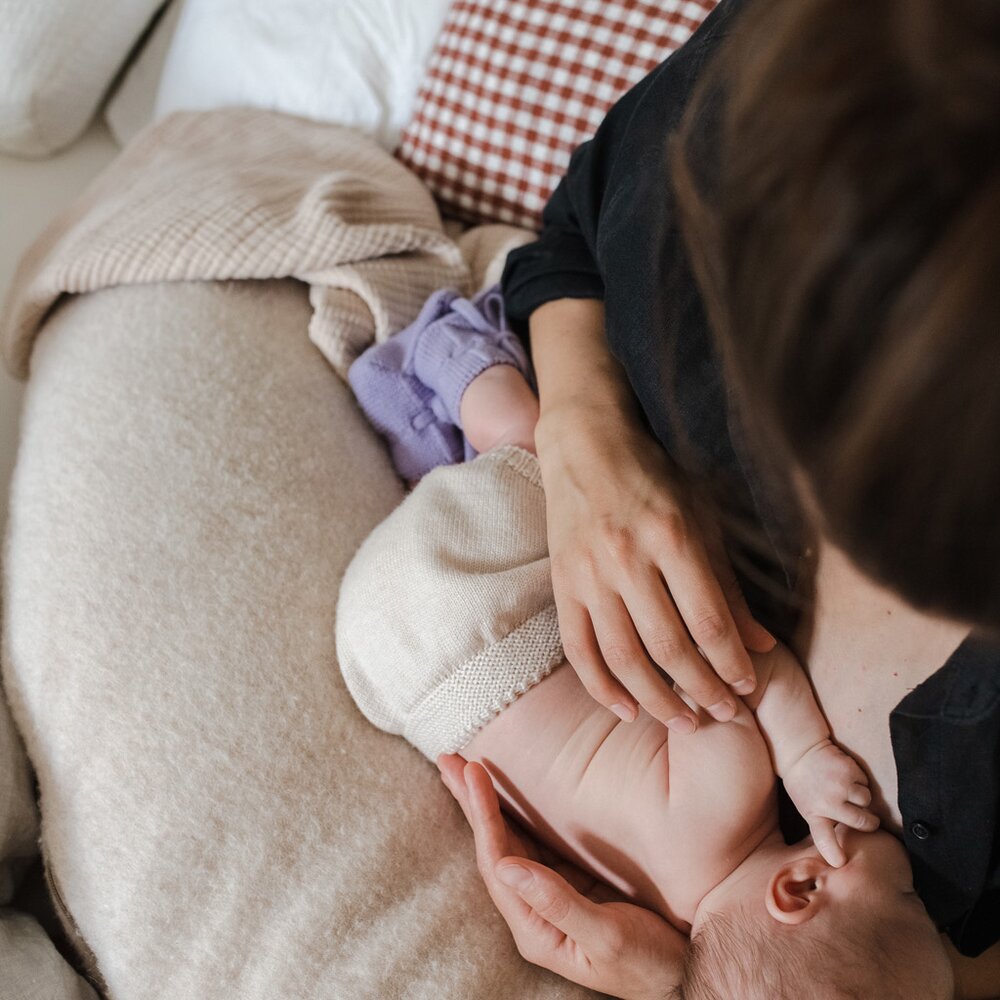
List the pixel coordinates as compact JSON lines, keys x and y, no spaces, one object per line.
{"x":514,"y":86}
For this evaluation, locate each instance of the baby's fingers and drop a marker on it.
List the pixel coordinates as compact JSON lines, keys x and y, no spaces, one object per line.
{"x":855,"y":817}
{"x":859,"y":795}
{"x":825,"y":839}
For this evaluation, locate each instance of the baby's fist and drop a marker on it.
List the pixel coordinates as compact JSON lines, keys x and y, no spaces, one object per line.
{"x":828,"y":786}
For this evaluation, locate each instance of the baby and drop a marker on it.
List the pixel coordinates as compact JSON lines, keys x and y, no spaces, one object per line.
{"x":447,"y":634}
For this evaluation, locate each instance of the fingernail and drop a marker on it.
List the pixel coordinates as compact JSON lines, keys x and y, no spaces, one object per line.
{"x":624,"y":712}
{"x":682,"y":724}
{"x":516,"y":876}
{"x":722,"y":711}
{"x":745,"y":686}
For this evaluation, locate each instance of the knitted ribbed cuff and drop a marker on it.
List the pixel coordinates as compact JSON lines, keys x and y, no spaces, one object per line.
{"x":448,"y":360}
{"x":446,"y":614}
{"x":481,"y":688}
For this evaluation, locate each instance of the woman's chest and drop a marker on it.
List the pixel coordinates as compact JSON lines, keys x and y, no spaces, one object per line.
{"x":865,"y":653}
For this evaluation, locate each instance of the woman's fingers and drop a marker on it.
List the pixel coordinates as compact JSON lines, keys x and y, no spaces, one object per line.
{"x":536,"y":939}
{"x":582,"y":651}
{"x":695,"y":589}
{"x":562,"y":921}
{"x":624,"y":654}
{"x":491,"y":833}
{"x":619,"y":635}
{"x":452,"y":768}
{"x":752,"y":634}
{"x":552,"y":924}
{"x":669,"y":644}
{"x":555,"y":901}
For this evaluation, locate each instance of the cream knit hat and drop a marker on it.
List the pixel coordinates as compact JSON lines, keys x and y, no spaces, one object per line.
{"x":446,"y":614}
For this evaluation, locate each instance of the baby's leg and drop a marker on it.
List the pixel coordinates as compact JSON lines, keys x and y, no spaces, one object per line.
{"x":498,"y":408}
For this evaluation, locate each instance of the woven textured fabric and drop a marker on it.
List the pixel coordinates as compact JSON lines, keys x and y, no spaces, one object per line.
{"x":514,"y":86}
{"x":446,"y":613}
{"x":244,"y":194}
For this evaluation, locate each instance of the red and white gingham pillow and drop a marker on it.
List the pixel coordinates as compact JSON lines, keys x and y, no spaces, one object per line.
{"x":514,"y":86}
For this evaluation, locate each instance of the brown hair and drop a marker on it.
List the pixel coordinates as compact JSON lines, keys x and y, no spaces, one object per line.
{"x":732,"y":958}
{"x":847,"y":241}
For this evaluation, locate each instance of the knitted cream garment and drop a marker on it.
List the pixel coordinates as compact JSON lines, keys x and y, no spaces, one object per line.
{"x":446,"y":612}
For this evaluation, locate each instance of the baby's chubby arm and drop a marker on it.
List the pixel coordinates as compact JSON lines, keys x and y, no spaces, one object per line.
{"x":827,"y":785}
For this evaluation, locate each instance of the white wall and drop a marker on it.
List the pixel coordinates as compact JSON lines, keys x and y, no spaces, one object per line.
{"x":31,"y":193}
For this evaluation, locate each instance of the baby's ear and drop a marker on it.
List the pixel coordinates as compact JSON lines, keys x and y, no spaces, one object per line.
{"x":796,"y":892}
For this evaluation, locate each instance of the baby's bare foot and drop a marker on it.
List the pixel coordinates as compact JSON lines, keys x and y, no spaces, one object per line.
{"x":498,"y":408}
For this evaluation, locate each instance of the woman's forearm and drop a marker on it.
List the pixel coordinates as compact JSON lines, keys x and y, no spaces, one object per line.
{"x":571,"y":357}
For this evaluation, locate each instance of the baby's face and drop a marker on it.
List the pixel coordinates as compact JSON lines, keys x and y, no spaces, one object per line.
{"x":878,"y":866}
{"x":876,"y":885}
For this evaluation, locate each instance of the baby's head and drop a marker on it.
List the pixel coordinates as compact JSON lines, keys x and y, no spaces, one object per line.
{"x":805,"y":929}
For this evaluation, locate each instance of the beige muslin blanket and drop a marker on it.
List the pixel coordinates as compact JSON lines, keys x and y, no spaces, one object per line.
{"x":249,"y":194}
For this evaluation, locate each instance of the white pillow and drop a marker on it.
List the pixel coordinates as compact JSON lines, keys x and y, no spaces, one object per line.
{"x":353,"y":62}
{"x":57,"y":59}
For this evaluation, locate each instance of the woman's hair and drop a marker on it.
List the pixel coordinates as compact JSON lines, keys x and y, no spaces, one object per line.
{"x":846,"y":237}
{"x":734,"y":958}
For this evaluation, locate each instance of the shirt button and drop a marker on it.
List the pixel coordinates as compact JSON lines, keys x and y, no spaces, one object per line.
{"x":920,"y":830}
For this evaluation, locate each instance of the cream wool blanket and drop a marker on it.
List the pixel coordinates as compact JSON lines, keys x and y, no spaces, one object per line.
{"x":219,"y":819}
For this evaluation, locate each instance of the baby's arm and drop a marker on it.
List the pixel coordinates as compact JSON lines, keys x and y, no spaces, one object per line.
{"x":826,"y":785}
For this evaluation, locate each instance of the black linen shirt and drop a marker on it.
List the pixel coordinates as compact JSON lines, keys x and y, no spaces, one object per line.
{"x":611,"y":232}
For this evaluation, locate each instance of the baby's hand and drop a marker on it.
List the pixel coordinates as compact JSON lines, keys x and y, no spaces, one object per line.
{"x":828,"y":786}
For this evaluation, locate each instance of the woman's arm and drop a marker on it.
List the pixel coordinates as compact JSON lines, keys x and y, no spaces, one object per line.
{"x":639,"y":585}
{"x":639,"y":582}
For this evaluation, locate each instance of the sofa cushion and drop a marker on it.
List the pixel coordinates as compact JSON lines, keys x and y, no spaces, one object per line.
{"x":57,"y":60}
{"x":513,"y":86}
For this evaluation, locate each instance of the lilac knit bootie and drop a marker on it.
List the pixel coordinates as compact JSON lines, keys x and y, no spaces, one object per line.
{"x":411,"y":385}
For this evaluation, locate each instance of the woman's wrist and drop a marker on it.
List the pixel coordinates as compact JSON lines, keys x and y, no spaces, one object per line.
{"x":571,"y":356}
{"x":573,"y":424}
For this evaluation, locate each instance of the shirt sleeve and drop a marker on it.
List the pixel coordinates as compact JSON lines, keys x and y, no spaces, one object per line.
{"x":564,"y":262}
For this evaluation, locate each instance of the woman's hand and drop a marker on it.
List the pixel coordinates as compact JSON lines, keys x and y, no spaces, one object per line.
{"x":639,"y":583}
{"x":561,"y":918}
